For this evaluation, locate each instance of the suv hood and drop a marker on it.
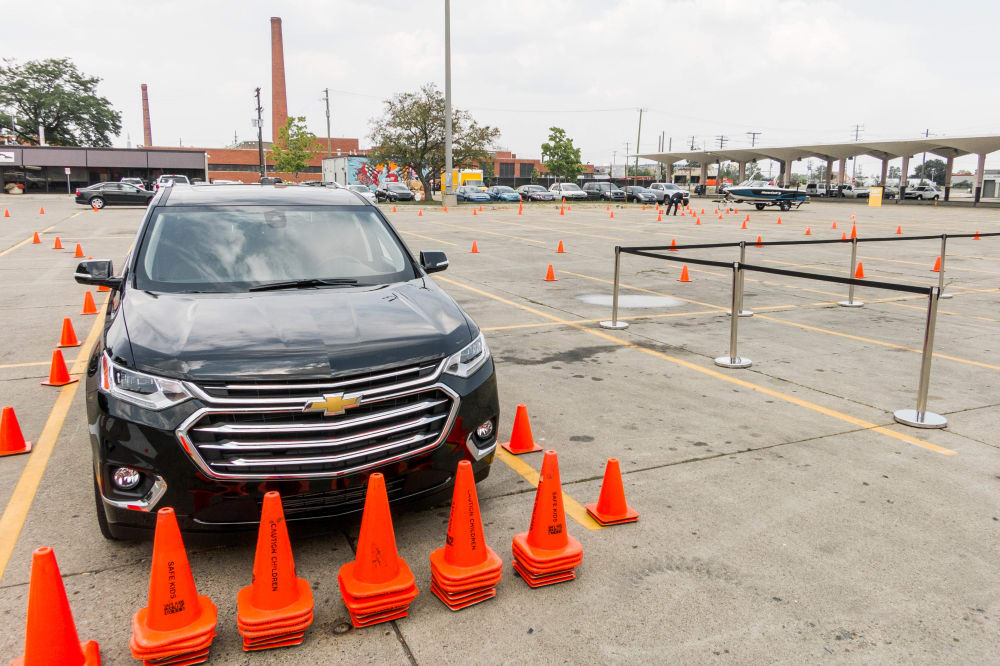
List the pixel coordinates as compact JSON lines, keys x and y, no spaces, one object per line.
{"x":305,"y":333}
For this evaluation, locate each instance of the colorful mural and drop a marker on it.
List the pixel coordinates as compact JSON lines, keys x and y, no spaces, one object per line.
{"x":370,"y":174}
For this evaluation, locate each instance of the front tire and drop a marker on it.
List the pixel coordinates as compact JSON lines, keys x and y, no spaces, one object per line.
{"x":759,"y":206}
{"x":97,"y":202}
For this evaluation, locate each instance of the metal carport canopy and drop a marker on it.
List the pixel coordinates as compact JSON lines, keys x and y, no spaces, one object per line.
{"x":943,"y":146}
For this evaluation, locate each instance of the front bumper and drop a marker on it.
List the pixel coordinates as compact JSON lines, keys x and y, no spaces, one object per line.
{"x":124,"y":435}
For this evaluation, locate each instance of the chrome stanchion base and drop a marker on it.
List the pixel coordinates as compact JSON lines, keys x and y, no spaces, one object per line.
{"x":743,"y":313}
{"x":851,"y":304}
{"x":943,"y":295}
{"x":912,"y":417}
{"x":730,"y":362}
{"x":614,"y":325}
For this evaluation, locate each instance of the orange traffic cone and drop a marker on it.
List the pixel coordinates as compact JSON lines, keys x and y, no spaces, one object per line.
{"x":475,"y":212}
{"x":779,"y":219}
{"x":683,"y":214}
{"x":94,"y":207}
{"x":852,"y":217}
{"x":834,"y":224}
{"x":808,"y":232}
{"x":859,"y":273}
{"x":697,"y":221}
{"x":937,"y":265}
{"x":737,"y":212}
{"x":854,"y":230}
{"x":475,"y":248}
{"x":562,"y":209}
{"x":177,"y":625}
{"x":673,"y":245}
{"x":50,"y":634}
{"x":546,"y":553}
{"x":89,"y":308}
{"x":976,"y":237}
{"x":445,"y":208}
{"x":41,"y":210}
{"x":684,"y":274}
{"x":728,"y":211}
{"x":843,"y":235}
{"x":899,"y":230}
{"x":550,"y":275}
{"x":569,"y":208}
{"x":520,"y":209}
{"x":277,"y":607}
{"x":57,"y":245}
{"x":607,"y":207}
{"x":103,"y":288}
{"x":58,"y":373}
{"x":6,"y":213}
{"x":393,"y":209}
{"x":659,"y":216}
{"x":521,"y":440}
{"x":11,"y":439}
{"x":744,"y":224}
{"x":747,"y":218}
{"x":35,"y":240}
{"x":466,"y":570}
{"x":377,"y":586}
{"x":68,"y":336}
{"x":560,"y":249}
{"x":702,"y":211}
{"x":480,"y":208}
{"x":612,"y":215}
{"x":611,"y":508}
{"x":759,"y":243}
{"x":420,"y":212}
{"x":78,"y":254}
{"x":644,"y":206}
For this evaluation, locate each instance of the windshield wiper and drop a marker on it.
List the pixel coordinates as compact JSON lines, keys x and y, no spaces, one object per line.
{"x":304,"y":284}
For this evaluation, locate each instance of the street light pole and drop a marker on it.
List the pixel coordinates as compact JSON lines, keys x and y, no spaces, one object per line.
{"x":447,"y":105}
{"x":260,"y":135}
{"x":326,"y":97}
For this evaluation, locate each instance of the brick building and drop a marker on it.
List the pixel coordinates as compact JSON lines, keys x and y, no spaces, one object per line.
{"x":243,"y":163}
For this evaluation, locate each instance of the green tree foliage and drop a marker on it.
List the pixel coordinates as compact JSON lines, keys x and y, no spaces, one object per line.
{"x":560,"y":157}
{"x":753,"y":171}
{"x":933,"y":170}
{"x":295,"y":146}
{"x":53,"y":93}
{"x":411,"y":132}
{"x":894,"y":172}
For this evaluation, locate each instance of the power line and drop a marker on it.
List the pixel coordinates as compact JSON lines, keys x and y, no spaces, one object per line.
{"x":753,"y":138}
{"x":722,"y":139}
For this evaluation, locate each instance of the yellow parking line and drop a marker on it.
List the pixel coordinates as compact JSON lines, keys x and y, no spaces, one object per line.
{"x":861,"y":423}
{"x":940,"y":311}
{"x":572,"y":508}
{"x":430,"y":238}
{"x":25,"y":241}
{"x":30,"y":364}
{"x":16,"y":512}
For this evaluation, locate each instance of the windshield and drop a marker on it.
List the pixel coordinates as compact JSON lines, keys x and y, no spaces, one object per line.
{"x":504,"y":188}
{"x":360,"y":188}
{"x":571,"y":187}
{"x":637,"y":188}
{"x":174,"y":179}
{"x":670,"y":186}
{"x":398,"y":187}
{"x":534,"y":188}
{"x":234,"y":248}
{"x":473,"y":183}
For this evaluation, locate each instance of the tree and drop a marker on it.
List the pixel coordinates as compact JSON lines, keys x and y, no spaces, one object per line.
{"x":294,"y":147}
{"x":534,"y":175}
{"x":753,"y":171}
{"x":488,"y":174}
{"x":933,"y":170}
{"x":411,"y":132}
{"x":53,"y":93}
{"x":560,"y":157}
{"x":894,"y":172}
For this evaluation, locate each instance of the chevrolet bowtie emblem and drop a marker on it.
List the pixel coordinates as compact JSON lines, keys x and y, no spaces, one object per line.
{"x":333,"y":404}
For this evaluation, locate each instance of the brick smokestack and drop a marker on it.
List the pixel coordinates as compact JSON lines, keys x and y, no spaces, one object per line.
{"x":279,"y":102}
{"x":147,"y":131}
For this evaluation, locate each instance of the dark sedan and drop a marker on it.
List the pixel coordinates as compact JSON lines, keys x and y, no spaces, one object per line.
{"x":535,"y":193}
{"x":639,"y":194}
{"x":503,"y":193}
{"x":473,"y":194}
{"x":394,"y":192}
{"x":112,"y":194}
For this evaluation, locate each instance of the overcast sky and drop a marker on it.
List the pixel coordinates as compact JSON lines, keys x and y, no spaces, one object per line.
{"x":796,"y":71}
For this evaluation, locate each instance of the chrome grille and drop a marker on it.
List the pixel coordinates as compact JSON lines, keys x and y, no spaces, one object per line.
{"x":269,"y":436}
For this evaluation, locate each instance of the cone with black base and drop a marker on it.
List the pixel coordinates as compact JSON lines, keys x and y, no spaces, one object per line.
{"x":611,"y":508}
{"x":178,"y":624}
{"x":50,"y":635}
{"x":277,"y":607}
{"x":466,"y":570}
{"x":546,"y":554}
{"x":377,"y":586}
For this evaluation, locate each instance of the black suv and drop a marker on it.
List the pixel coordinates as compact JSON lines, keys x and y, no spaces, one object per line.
{"x":605,"y":191}
{"x":393,"y":192}
{"x":278,"y":338}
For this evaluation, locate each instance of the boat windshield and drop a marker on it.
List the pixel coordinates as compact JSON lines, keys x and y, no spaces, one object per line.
{"x":754,"y":183}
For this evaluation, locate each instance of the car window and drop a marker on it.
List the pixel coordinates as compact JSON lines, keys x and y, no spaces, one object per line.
{"x":571,"y":187}
{"x":242,"y":246}
{"x":112,"y":186}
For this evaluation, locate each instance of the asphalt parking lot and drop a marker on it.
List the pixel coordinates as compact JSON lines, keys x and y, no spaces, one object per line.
{"x":784,"y":516}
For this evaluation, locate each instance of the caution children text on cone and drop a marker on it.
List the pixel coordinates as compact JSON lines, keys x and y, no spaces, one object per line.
{"x":611,"y":508}
{"x":377,"y":586}
{"x":177,"y":625}
{"x":521,"y":440}
{"x":50,"y":633}
{"x":11,"y":438}
{"x":546,"y":554}
{"x":466,"y":570}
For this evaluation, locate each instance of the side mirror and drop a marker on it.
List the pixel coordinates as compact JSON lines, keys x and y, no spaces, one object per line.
{"x":97,"y":272}
{"x":433,"y":262}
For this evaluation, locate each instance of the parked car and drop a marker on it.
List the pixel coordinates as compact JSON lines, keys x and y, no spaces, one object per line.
{"x":404,"y":385}
{"x":502,"y":193}
{"x":818,"y":189}
{"x":394,"y":192}
{"x":364,"y":191}
{"x":664,"y":191}
{"x":568,"y":191}
{"x":535,"y":193}
{"x":639,"y":194}
{"x":271,"y":180}
{"x":604,"y":191}
{"x":112,"y":194}
{"x":137,"y":182}
{"x":927,"y":192}
{"x":471,"y":193}
{"x":852,"y":191}
{"x":223,"y":181}
{"x":168,"y":179}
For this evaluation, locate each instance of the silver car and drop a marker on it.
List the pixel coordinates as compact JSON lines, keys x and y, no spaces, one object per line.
{"x":568,"y":191}
{"x":666,"y":190}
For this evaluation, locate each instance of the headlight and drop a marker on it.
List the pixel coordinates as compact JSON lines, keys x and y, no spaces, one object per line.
{"x":138,"y":388}
{"x":471,"y":358}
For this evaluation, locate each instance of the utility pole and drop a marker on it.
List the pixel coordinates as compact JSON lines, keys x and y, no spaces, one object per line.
{"x":326,"y":97}
{"x":611,"y":175}
{"x":753,"y":138}
{"x":722,"y":139}
{"x":260,"y":135}
{"x":626,"y":162}
{"x":692,"y":143}
{"x":858,"y":128}
{"x":923,"y":162}
{"x":637,"y":138}
{"x":447,"y":104}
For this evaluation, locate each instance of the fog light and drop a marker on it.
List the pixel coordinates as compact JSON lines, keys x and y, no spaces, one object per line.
{"x":126,"y":478}
{"x":484,"y":431}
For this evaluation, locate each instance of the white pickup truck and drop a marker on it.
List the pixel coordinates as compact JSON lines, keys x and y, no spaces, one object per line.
{"x":854,"y":191}
{"x":927,"y":192}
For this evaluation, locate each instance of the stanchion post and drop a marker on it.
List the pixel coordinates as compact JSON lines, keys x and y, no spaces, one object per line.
{"x":614,"y":323}
{"x":743,"y":260}
{"x":944,"y":246}
{"x":733,"y":360}
{"x":920,"y":417}
{"x":850,"y":302}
